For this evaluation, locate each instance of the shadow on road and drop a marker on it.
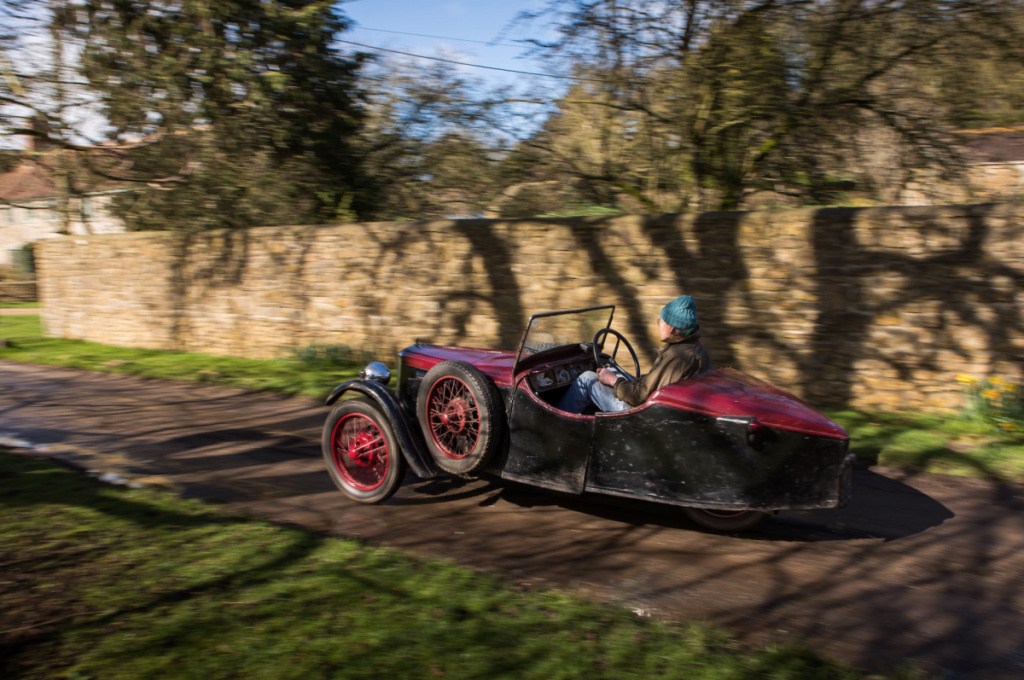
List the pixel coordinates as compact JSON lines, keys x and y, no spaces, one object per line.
{"x":881,"y":508}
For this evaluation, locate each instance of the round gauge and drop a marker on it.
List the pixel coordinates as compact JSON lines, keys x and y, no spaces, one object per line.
{"x":563,"y":376}
{"x":575,"y":372}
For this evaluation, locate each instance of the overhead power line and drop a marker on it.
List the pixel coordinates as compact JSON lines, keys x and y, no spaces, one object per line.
{"x":436,"y":37}
{"x":462,"y":63}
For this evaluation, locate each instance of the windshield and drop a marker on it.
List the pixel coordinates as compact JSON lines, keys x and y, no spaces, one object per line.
{"x":552,"y":329}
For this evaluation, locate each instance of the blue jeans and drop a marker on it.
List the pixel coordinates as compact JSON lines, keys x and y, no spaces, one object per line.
{"x":587,"y":389}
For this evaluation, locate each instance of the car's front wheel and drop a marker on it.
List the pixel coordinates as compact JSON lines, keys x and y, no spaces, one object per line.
{"x":726,"y":520}
{"x":361,"y":452}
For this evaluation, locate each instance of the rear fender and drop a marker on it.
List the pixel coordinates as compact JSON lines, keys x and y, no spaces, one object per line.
{"x":409,"y":438}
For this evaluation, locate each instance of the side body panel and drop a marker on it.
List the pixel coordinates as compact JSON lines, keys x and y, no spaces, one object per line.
{"x":547,"y":448}
{"x":672,"y":456}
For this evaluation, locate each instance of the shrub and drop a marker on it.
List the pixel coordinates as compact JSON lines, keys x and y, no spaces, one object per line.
{"x":325,"y":354}
{"x":995,"y":401}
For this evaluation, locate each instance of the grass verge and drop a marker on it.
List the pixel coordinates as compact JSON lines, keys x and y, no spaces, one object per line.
{"x":959,"y":446}
{"x":310,"y":377}
{"x":919,"y":442}
{"x":109,"y":582}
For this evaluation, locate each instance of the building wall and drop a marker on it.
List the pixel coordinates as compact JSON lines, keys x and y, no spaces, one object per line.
{"x":35,"y":220}
{"x":871,"y":308}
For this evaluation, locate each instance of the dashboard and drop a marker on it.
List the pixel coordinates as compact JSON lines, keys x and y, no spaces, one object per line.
{"x":553,"y":377}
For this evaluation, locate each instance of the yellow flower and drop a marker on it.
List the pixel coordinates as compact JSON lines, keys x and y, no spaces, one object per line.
{"x":990,"y":394}
{"x":996,"y":380}
{"x":966,"y":379}
{"x":1008,"y":426}
{"x":1010,"y":387}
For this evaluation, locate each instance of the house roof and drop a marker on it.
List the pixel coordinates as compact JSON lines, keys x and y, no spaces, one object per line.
{"x":994,"y":145}
{"x":26,"y":183}
{"x":32,"y":181}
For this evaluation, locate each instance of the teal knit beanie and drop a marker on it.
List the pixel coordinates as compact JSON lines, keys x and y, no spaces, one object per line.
{"x":681,"y":313}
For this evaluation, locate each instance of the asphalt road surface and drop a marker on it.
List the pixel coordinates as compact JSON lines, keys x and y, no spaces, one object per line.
{"x":922,"y":568}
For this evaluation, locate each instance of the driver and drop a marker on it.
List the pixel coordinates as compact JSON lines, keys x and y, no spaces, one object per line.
{"x":681,"y":356}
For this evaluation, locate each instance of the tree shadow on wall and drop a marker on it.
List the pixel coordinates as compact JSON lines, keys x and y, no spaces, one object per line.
{"x":958,"y":281}
{"x":856,"y":284}
{"x":225,"y":259}
{"x":506,"y":295}
{"x":204,"y":263}
{"x":588,"y":240}
{"x":843,"y":317}
{"x":459,"y":304}
{"x":711,"y":274}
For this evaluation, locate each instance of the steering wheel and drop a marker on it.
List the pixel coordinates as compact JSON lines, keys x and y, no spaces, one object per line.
{"x":609,"y":362}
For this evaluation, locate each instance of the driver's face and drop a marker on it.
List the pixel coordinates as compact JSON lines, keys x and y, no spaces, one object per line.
{"x":665,"y":329}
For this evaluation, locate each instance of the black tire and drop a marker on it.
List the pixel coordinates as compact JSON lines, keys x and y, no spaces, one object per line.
{"x":361,"y":452}
{"x":726,"y":520}
{"x":461,"y":415}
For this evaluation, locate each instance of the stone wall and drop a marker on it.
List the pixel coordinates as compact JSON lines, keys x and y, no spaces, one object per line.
{"x":997,"y":179}
{"x":871,"y":308}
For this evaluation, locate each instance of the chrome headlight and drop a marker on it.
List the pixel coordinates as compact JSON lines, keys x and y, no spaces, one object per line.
{"x":377,"y":372}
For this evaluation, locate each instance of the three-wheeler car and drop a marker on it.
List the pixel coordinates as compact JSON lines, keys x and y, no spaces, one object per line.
{"x":725,"y":448}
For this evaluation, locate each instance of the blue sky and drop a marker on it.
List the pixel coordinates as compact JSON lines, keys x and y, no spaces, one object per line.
{"x":392,"y":20}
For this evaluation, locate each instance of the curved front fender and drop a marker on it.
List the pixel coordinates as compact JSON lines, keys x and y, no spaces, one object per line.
{"x":409,"y":436}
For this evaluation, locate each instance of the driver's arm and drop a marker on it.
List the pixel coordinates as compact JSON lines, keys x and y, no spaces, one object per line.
{"x":634,"y":393}
{"x":663,"y":372}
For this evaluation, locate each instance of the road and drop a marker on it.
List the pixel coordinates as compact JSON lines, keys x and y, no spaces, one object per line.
{"x":918,"y":567}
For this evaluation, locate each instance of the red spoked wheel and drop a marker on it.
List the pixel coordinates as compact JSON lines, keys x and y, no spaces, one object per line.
{"x":726,"y":520}
{"x":360,"y":452}
{"x":461,"y":416}
{"x":453,"y":418}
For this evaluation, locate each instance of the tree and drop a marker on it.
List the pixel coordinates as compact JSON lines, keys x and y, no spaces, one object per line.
{"x":45,"y":102}
{"x":40,"y":97}
{"x":246,"y":104}
{"x":700,"y":104}
{"x":977,"y":80}
{"x":428,"y":141}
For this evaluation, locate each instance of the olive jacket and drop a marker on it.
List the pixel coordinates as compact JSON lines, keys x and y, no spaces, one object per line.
{"x":678,"y":358}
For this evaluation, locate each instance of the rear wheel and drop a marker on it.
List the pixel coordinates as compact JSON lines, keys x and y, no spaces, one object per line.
{"x":361,"y":452}
{"x":461,"y":416}
{"x":726,"y":520}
